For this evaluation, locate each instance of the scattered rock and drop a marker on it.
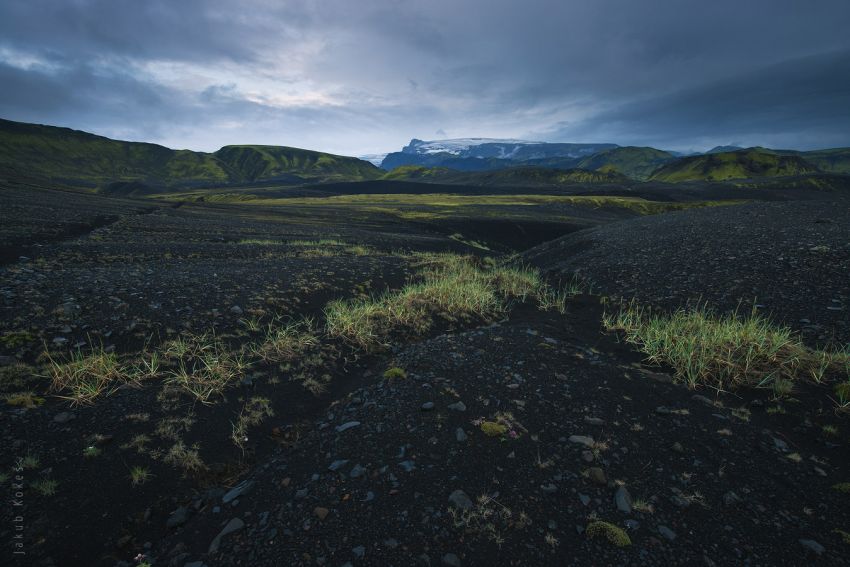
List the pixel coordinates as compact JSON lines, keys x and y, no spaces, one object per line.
{"x":451,"y":560}
{"x":623,"y":500}
{"x":178,"y":517}
{"x":667,"y":532}
{"x":64,"y":417}
{"x":582,"y":440}
{"x":597,"y":475}
{"x":240,"y":489}
{"x":320,"y":512}
{"x":457,"y":406}
{"x":460,"y":435}
{"x":461,"y":500}
{"x":813,"y":546}
{"x":233,"y":525}
{"x":346,"y":426}
{"x":427,"y":406}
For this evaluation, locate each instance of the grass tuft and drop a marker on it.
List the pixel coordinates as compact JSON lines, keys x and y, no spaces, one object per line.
{"x":722,"y":351}
{"x":86,"y":377}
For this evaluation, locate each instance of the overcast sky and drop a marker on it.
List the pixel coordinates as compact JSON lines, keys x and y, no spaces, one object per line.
{"x":364,"y":76}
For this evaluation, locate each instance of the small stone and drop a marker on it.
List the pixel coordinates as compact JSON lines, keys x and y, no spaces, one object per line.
{"x":233,"y":525}
{"x":346,"y":426}
{"x":678,"y":447}
{"x":236,"y":309}
{"x":359,"y":551}
{"x":594,"y":420}
{"x":585,"y":499}
{"x":461,"y":500}
{"x":427,"y":406}
{"x":582,"y":440}
{"x":391,"y":543}
{"x":730,"y":498}
{"x":301,"y":493}
{"x":357,"y":471}
{"x":623,"y":500}
{"x":178,"y":517}
{"x":597,"y":475}
{"x":458,"y":406}
{"x":812,"y":545}
{"x":338,"y":464}
{"x":239,"y":490}
{"x":548,"y":488}
{"x":320,"y":512}
{"x":460,"y":435}
{"x":451,"y":560}
{"x":667,"y":532}
{"x":64,"y":417}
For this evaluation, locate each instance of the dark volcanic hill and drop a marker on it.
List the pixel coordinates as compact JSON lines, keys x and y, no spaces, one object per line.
{"x":86,"y":160}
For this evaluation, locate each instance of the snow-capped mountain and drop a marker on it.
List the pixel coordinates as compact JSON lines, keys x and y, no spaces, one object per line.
{"x":485,"y":153}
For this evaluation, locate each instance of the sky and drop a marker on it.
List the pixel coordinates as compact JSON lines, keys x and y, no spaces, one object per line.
{"x":366,"y":76}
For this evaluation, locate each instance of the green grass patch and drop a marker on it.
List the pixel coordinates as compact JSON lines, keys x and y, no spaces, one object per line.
{"x":723,"y":351}
{"x":86,"y":376}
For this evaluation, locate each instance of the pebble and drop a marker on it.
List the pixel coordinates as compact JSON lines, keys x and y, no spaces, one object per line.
{"x":359,"y":551}
{"x":581,"y":440}
{"x":813,"y":546}
{"x":239,"y":490}
{"x":178,"y":517}
{"x":667,"y":532}
{"x":597,"y":475}
{"x":623,"y":500}
{"x":594,"y":420}
{"x":458,"y":406}
{"x":233,"y":525}
{"x":346,"y":426}
{"x":64,"y":417}
{"x":320,"y":512}
{"x":549,"y":488}
{"x":461,"y":500}
{"x":460,"y":435}
{"x":451,"y":559}
{"x":427,"y":406}
{"x":338,"y":464}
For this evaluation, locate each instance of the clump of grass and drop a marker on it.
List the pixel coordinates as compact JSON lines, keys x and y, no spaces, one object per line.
{"x":612,"y":533}
{"x":320,"y":242}
{"x":139,"y":475}
{"x":720,"y":351}
{"x":205,"y":367}
{"x":260,"y":241}
{"x":284,"y":343}
{"x":395,"y":372}
{"x":45,"y":486}
{"x":86,"y":376}
{"x":251,"y":415}
{"x":451,"y":287}
{"x":26,"y":400}
{"x":29,"y":461}
{"x":489,"y":519}
{"x":91,"y":452}
{"x":186,"y":458}
{"x":842,"y":487}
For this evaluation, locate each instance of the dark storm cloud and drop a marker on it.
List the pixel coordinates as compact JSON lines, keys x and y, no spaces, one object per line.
{"x":361,"y":77}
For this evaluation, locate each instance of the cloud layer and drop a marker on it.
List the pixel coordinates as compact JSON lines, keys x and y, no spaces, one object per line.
{"x":364,"y":77}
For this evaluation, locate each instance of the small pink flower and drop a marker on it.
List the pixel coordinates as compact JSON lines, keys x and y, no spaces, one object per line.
{"x":513,"y":434}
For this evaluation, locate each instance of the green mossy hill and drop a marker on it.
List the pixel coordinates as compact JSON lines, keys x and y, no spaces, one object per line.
{"x":634,"y":162}
{"x":255,"y":163}
{"x":510,"y":177}
{"x":744,"y":164}
{"x":84,"y":160}
{"x":836,"y":160}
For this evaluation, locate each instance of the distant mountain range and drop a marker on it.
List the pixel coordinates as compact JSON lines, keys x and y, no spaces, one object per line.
{"x":82,"y":160}
{"x":636,"y":163}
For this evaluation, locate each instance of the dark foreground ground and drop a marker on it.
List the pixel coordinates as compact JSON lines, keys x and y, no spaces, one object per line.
{"x":363,"y":470}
